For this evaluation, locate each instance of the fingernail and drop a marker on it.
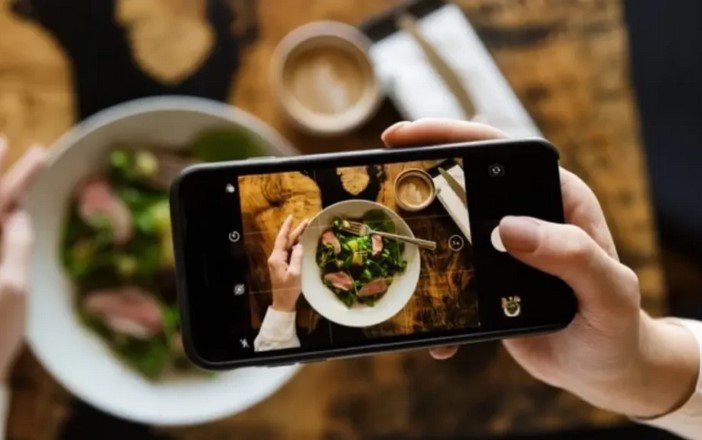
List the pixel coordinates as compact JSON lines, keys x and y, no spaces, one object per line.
{"x":520,"y":233}
{"x":394,"y":127}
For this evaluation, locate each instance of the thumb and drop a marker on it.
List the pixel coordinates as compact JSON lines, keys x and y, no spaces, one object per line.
{"x":568,"y":252}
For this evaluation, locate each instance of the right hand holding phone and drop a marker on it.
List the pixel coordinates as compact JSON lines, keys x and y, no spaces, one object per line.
{"x":612,"y":354}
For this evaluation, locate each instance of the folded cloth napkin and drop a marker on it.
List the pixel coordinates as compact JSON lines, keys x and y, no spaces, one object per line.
{"x":452,"y":202}
{"x":418,"y":91}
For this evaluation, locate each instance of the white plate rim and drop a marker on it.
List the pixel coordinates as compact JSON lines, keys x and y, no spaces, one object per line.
{"x":275,"y":377}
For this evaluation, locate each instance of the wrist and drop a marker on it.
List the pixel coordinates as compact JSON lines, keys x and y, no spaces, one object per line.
{"x":283,"y":306}
{"x":667,"y":370}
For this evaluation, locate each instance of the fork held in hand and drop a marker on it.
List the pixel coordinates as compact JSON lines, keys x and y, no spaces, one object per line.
{"x":362,"y":229}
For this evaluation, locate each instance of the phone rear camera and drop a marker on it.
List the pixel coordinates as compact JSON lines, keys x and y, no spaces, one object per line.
{"x":496,"y":170}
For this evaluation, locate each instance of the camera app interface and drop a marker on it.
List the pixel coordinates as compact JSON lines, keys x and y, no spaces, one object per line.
{"x":339,"y":256}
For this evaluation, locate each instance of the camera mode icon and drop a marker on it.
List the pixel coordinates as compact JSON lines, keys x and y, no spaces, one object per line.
{"x":511,"y":306}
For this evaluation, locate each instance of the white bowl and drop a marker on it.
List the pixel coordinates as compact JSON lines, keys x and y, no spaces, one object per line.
{"x":324,"y":301}
{"x":77,"y":357}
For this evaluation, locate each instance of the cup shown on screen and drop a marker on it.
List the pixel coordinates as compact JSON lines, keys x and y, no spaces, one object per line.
{"x":324,"y":79}
{"x":414,"y":189}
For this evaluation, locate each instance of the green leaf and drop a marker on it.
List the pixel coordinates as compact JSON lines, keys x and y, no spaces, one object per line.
{"x":228,"y":144}
{"x":150,"y":357}
{"x":379,"y":220}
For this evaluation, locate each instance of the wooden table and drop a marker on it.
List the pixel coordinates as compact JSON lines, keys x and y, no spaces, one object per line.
{"x":566,"y":60}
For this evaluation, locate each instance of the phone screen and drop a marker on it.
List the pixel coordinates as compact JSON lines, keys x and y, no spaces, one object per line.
{"x":311,"y":258}
{"x":341,"y":279}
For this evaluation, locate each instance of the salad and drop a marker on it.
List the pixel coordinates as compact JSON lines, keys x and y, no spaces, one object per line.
{"x":117,"y":249}
{"x":360,"y":269}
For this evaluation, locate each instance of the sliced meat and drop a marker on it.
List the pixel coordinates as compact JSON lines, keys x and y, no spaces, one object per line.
{"x":329,"y":238}
{"x":377,"y":242}
{"x":373,"y":287}
{"x":340,"y":280}
{"x":97,"y":200}
{"x":129,"y":310}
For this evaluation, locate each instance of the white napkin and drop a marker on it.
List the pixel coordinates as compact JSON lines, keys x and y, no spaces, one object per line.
{"x":419,"y":92}
{"x":452,"y":202}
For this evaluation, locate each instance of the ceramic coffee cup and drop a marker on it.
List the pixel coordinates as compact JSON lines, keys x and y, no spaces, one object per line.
{"x":324,"y":78}
{"x":414,"y":189}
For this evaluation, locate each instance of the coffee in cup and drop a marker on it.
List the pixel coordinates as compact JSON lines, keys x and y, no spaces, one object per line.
{"x":324,"y":78}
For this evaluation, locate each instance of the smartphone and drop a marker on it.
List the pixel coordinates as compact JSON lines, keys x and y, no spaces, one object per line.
{"x":297,"y":259}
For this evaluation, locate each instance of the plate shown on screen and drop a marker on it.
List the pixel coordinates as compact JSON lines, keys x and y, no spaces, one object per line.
{"x":325,"y":302}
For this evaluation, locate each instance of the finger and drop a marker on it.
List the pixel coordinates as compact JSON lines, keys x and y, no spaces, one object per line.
{"x":569,"y":253}
{"x":4,"y":144}
{"x":281,"y":240}
{"x":438,"y":131}
{"x":533,"y":347}
{"x":442,"y":353}
{"x":16,"y":246}
{"x":581,"y":208}
{"x":297,"y":232}
{"x":17,"y":181}
{"x":295,"y":266}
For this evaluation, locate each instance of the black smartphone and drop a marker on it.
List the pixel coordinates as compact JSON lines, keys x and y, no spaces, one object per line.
{"x":296,"y":259}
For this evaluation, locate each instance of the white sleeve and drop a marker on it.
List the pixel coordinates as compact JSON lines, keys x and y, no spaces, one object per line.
{"x":685,"y":421}
{"x":277,"y":331}
{"x":4,"y":407}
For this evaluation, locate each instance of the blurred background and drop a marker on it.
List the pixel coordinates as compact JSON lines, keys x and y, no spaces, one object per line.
{"x":615,"y":85}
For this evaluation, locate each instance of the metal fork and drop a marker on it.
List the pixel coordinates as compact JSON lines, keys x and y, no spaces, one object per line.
{"x":362,"y":229}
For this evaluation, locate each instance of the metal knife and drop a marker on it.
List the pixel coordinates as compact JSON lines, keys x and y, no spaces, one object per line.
{"x":455,"y":186}
{"x":447,"y":74}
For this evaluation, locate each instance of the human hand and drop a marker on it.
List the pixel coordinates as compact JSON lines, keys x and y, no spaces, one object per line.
{"x":285,"y":264}
{"x":15,"y":248}
{"x":612,"y":354}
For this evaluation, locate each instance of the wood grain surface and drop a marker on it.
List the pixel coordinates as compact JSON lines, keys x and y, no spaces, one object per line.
{"x":566,"y":60}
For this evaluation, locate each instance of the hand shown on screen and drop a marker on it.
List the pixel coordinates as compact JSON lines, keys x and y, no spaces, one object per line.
{"x":612,"y":354}
{"x":15,"y":250}
{"x":285,"y":266}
